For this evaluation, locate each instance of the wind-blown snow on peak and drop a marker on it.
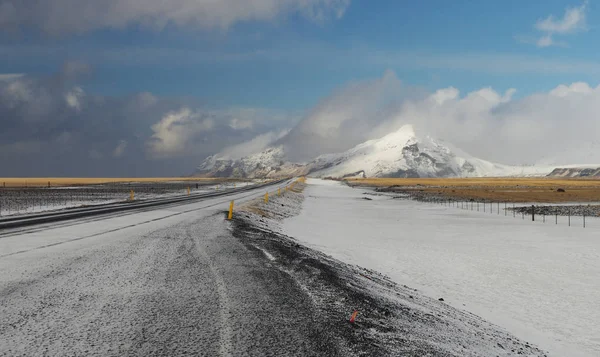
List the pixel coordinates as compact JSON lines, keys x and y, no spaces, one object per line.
{"x":267,"y":163}
{"x":403,"y":154}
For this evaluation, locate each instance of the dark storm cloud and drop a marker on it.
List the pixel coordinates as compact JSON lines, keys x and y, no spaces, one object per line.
{"x":52,"y":126}
{"x":78,"y":16}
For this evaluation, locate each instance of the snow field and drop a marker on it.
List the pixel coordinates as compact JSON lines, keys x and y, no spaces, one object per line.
{"x":538,"y":281}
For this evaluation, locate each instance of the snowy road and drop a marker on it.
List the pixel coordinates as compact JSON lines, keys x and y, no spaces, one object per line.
{"x":171,"y":281}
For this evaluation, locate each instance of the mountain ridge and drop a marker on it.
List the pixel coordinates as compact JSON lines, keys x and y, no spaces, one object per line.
{"x":401,"y":153}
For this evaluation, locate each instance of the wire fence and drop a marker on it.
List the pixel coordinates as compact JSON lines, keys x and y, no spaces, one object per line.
{"x":576,"y":215}
{"x":27,"y":200}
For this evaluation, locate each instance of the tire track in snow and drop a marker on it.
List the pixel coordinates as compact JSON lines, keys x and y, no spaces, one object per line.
{"x":226,"y":330}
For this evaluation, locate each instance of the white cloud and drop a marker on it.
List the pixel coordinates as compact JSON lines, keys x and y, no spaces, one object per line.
{"x":342,"y":119}
{"x":74,"y":97}
{"x":17,"y":92}
{"x":574,"y":20}
{"x":238,"y":124}
{"x":78,"y":16}
{"x":10,"y":76}
{"x":545,"y":41}
{"x":578,"y":87}
{"x":120,"y":149}
{"x":172,"y":134}
{"x":253,"y":146}
{"x":486,"y":123}
{"x":497,"y":127}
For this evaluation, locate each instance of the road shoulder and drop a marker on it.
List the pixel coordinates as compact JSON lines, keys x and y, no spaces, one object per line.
{"x":392,"y":319}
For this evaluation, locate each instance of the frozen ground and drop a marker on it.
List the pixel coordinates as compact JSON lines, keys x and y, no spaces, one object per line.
{"x":538,"y":281}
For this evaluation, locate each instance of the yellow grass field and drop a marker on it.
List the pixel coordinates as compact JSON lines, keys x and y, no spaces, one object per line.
{"x":75,"y":181}
{"x":497,"y":189}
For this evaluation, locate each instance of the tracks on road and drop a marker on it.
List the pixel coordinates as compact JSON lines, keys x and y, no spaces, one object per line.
{"x":186,"y":289}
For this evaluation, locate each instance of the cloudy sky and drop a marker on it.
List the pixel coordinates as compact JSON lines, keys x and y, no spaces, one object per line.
{"x":150,"y":87}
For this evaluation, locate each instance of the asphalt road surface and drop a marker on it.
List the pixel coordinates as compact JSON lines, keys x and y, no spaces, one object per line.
{"x":170,"y":281}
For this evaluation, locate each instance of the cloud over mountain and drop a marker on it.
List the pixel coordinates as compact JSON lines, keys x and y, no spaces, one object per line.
{"x":492,"y":125}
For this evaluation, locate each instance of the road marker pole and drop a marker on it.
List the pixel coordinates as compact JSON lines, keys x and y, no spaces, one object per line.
{"x":230,"y":215}
{"x":131,"y":195}
{"x":189,"y":191}
{"x":353,"y":317}
{"x":279,"y":191}
{"x":267,"y":197}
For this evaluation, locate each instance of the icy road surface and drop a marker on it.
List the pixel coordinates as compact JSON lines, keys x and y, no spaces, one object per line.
{"x":166,"y":282}
{"x":539,"y":281}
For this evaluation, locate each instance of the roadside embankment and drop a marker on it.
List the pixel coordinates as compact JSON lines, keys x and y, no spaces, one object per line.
{"x":392,"y":320}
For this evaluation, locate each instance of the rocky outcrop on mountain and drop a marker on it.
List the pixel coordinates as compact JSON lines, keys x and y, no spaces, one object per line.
{"x":575,"y":172}
{"x":269,"y":163}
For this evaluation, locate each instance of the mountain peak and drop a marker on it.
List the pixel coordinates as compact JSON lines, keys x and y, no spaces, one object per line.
{"x":398,"y":154}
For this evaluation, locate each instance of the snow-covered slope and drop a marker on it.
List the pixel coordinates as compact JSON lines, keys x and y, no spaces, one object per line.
{"x":399,"y":154}
{"x":268,"y":163}
{"x":404,"y":154}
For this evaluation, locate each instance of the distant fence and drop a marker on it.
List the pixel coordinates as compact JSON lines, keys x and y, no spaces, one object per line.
{"x":571,"y":215}
{"x":22,"y":200}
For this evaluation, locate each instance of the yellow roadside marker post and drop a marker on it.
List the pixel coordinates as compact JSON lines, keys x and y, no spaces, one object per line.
{"x":131,"y":195}
{"x":230,"y":211}
{"x":279,"y":191}
{"x":189,"y":191}
{"x":267,"y":197}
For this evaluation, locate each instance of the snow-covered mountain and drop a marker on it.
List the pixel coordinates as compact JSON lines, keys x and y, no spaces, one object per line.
{"x":399,"y":154}
{"x":268,"y":163}
{"x":404,"y":154}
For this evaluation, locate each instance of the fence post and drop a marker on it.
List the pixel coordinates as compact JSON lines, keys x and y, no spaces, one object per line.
{"x":505,"y":209}
{"x":569,"y":210}
{"x":532,"y":213}
{"x":584,"y":220}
